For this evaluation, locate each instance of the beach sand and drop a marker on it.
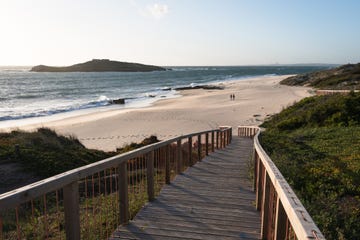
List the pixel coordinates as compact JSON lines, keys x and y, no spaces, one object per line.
{"x":196,"y":110}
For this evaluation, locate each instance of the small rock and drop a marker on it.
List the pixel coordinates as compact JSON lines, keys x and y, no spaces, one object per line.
{"x":118,"y":101}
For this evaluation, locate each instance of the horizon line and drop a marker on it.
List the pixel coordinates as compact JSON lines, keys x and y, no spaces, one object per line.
{"x":232,"y":65}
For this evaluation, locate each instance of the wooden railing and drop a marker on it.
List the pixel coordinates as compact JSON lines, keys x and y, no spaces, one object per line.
{"x":282,"y":214}
{"x":91,"y":201}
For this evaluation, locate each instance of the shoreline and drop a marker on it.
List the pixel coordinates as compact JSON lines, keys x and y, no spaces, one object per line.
{"x":195,"y":110}
{"x":12,"y":124}
{"x":31,"y":123}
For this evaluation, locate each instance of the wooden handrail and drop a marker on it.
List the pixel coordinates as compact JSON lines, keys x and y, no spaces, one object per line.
{"x":273,"y":192}
{"x":69,"y":181}
{"x":12,"y":198}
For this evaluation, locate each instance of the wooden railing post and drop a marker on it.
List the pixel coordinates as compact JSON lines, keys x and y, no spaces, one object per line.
{"x":220,"y":139}
{"x":207,"y":144}
{"x":212,"y":141}
{"x":280,"y":221}
{"x":217,"y":140}
{"x":255,"y":162}
{"x":190,"y":151}
{"x":265,"y":207}
{"x":167,"y":165}
{"x":199,"y":147}
{"x":223,"y":139}
{"x":230,"y":135}
{"x":222,"y":136}
{"x":179,"y":157}
{"x":259,"y":185}
{"x":72,"y":211}
{"x":123,"y":193}
{"x":227,"y":137}
{"x":150,"y":176}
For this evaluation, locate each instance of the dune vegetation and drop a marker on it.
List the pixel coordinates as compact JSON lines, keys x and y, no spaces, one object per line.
{"x":345,"y":77}
{"x":316,"y":145}
{"x":44,"y":153}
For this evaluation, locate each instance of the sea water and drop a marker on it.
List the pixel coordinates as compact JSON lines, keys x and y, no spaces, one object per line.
{"x":25,"y":94}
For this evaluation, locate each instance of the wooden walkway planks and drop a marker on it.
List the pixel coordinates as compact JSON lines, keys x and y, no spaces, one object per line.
{"x":211,"y":200}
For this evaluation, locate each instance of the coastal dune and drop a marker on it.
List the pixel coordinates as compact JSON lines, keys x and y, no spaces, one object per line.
{"x":196,"y":110}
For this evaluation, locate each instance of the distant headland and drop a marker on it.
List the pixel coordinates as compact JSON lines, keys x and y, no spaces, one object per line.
{"x":100,"y":65}
{"x":345,"y":77}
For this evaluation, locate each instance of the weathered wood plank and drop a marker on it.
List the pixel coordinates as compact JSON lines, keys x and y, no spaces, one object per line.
{"x":211,"y":200}
{"x":182,"y":233}
{"x":195,"y":224}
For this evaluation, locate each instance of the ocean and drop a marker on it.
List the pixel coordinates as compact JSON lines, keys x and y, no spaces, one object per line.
{"x":25,"y":94}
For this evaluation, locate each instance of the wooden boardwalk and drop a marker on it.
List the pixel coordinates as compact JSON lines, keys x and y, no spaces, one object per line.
{"x":211,"y":200}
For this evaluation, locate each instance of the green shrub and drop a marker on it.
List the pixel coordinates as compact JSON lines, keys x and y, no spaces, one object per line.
{"x":45,"y":153}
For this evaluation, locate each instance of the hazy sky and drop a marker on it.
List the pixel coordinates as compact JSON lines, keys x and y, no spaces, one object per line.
{"x":179,"y":32}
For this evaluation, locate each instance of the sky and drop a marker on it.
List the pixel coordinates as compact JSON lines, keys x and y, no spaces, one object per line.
{"x":179,"y":32}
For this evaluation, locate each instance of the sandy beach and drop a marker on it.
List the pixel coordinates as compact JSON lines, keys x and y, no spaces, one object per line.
{"x":195,"y":110}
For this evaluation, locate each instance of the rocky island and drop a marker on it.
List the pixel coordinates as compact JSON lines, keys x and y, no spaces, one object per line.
{"x":100,"y":65}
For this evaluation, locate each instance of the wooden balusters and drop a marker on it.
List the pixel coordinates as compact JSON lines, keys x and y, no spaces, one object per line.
{"x":191,"y":163}
{"x":207,"y":144}
{"x":150,"y":176}
{"x":179,"y":157}
{"x":212,"y":141}
{"x":199,"y":147}
{"x":167,"y":165}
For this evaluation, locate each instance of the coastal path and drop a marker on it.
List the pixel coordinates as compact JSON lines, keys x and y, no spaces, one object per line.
{"x":211,"y":200}
{"x":194,"y":186}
